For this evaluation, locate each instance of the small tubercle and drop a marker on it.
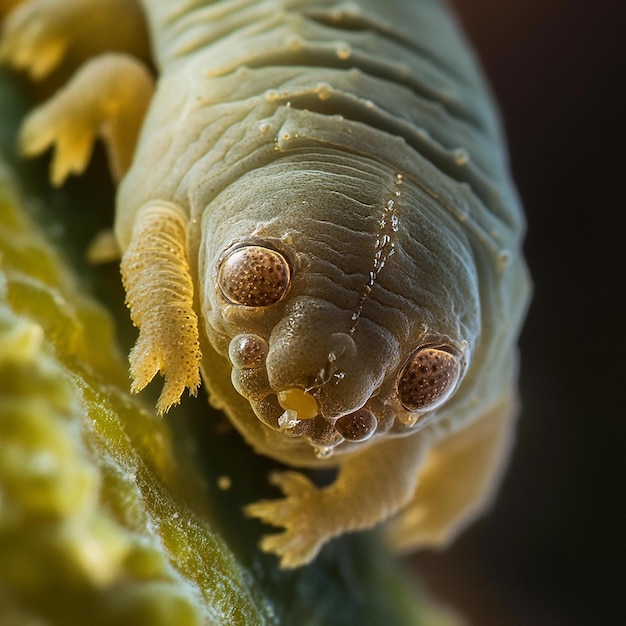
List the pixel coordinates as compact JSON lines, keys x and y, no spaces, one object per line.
{"x":324,"y":452}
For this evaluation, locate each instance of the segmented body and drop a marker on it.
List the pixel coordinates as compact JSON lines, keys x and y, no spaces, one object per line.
{"x":350,"y":155}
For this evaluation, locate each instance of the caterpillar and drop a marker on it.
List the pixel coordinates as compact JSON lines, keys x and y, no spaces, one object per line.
{"x":315,"y":216}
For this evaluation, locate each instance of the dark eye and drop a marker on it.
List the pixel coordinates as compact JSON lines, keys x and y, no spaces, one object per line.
{"x":428,"y":379}
{"x":254,"y":276}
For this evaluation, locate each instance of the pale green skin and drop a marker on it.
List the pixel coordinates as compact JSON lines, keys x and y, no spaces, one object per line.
{"x":247,"y":152}
{"x":224,"y":159}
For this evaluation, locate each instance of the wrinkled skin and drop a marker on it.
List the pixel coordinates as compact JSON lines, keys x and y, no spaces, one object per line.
{"x":297,"y":221}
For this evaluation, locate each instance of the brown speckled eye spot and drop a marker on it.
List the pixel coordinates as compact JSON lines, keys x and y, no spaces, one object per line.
{"x":428,"y":379}
{"x":357,"y":426}
{"x":248,"y":351}
{"x":254,"y":276}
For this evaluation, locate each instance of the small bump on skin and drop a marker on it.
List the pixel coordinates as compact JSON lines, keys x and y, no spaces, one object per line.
{"x":254,"y":276}
{"x":324,"y":435}
{"x":251,"y":383}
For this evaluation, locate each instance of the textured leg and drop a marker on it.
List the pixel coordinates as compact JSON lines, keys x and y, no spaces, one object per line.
{"x":107,"y":98}
{"x":38,"y":34}
{"x":159,"y":293}
{"x":370,"y":487}
{"x":458,"y":480}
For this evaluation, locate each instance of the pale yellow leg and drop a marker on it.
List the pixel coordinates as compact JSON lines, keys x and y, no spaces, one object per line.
{"x":370,"y":487}
{"x":107,"y":98}
{"x":159,"y":293}
{"x":37,"y":35}
{"x":456,"y":483}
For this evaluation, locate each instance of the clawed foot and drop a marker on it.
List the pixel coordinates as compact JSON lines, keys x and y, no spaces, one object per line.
{"x":60,"y":123}
{"x":108,"y":98}
{"x":303,"y":513}
{"x":152,"y":354}
{"x":35,"y":36}
{"x":39,"y":35}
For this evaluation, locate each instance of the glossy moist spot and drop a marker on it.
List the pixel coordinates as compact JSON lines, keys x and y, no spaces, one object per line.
{"x":301,"y":402}
{"x":248,"y":351}
{"x":357,"y":426}
{"x":254,"y":276}
{"x":428,"y":379}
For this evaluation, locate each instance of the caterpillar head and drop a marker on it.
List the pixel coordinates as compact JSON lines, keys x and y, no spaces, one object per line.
{"x":339,"y":326}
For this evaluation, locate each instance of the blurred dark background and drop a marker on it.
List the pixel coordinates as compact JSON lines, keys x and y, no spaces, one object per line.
{"x":552,"y":551}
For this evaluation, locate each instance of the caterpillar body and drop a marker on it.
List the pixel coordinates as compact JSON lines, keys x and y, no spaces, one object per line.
{"x":315,"y":211}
